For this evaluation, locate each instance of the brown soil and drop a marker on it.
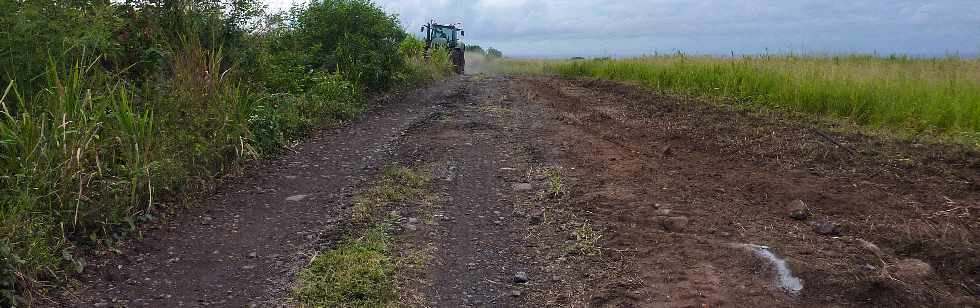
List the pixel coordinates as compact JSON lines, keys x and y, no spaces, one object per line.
{"x":634,"y":166}
{"x":732,"y":172}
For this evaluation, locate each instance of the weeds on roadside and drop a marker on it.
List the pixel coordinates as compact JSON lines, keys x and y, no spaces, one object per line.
{"x":420,"y":69}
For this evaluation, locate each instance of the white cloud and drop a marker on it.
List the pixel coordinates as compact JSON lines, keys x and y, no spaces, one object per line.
{"x":277,"y":5}
{"x":501,"y":3}
{"x":627,"y":27}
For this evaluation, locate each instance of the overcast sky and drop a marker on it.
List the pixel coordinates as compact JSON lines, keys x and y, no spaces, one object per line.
{"x":562,"y":28}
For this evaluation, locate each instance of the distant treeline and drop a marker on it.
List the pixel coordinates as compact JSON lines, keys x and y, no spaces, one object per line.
{"x":489,"y":53}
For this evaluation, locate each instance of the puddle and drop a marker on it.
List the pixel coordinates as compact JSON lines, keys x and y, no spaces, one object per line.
{"x":784,"y":277}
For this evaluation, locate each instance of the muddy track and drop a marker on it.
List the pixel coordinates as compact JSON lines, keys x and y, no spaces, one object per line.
{"x":242,"y":245}
{"x":603,"y":194}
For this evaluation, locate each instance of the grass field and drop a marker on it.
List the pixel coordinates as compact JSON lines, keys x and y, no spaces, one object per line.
{"x":938,"y":96}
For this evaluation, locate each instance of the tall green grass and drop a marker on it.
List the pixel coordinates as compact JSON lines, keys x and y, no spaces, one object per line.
{"x":72,"y":158}
{"x":939,"y":95}
{"x":419,"y":69}
{"x":85,"y":159}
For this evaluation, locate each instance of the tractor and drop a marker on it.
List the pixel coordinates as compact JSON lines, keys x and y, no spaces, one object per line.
{"x":448,"y":37}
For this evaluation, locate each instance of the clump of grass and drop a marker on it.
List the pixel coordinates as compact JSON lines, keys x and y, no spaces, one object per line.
{"x":397,"y":184}
{"x":586,"y":240}
{"x":556,"y":186}
{"x":940,"y":95}
{"x":418,"y":256}
{"x":495,"y":110}
{"x":358,"y":273}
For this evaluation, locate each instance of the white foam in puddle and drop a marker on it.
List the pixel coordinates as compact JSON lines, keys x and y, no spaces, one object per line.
{"x":785,"y":279}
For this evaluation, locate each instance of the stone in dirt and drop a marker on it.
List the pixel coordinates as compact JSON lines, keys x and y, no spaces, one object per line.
{"x":675,"y":224}
{"x":297,"y":198}
{"x":911,"y":269}
{"x":536,"y":216}
{"x":868,"y":268}
{"x":869,"y":246}
{"x":521,"y":277}
{"x":798,"y":210}
{"x":523,"y":187}
{"x":826,"y":228}
{"x":115,"y":276}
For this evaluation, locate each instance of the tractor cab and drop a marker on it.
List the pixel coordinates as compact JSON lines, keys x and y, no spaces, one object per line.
{"x":443,"y":35}
{"x":447,"y":36}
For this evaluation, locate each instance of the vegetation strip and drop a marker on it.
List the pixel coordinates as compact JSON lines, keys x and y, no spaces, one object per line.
{"x":111,"y":111}
{"x":360,"y":272}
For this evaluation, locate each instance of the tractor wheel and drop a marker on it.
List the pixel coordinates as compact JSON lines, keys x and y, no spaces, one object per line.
{"x":459,"y":61}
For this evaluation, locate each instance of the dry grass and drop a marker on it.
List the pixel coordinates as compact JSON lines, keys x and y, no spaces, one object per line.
{"x":397,"y":184}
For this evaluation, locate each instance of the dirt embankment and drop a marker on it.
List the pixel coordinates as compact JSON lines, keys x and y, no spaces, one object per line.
{"x":560,"y":192}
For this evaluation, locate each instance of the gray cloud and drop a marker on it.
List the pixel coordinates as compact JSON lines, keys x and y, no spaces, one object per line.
{"x":596,"y":27}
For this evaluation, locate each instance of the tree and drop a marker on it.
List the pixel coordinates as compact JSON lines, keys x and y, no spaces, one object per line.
{"x":353,"y":37}
{"x":475,"y":48}
{"x":494,"y":53}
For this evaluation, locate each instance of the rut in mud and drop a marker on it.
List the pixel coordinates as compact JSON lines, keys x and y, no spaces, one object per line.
{"x":562,"y":192}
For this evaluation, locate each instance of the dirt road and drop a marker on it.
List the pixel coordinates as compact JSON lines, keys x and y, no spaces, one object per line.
{"x":596,"y":194}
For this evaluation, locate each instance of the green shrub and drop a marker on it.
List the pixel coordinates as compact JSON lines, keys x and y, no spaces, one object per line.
{"x":293,"y":122}
{"x":333,"y":97}
{"x":267,"y":133}
{"x":420,"y":70}
{"x":354,"y":37}
{"x":8,"y":275}
{"x":38,"y":32}
{"x":411,"y":48}
{"x":282,"y":117}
